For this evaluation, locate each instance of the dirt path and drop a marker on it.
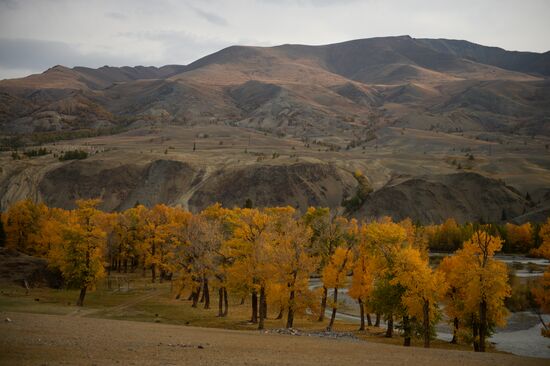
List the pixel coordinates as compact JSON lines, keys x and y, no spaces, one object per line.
{"x":36,"y":339}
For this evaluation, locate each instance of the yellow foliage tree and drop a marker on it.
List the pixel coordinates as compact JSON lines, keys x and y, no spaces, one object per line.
{"x":423,"y":287}
{"x":542,"y":290}
{"x":291,"y":262}
{"x":80,"y":255}
{"x":544,"y":235}
{"x":483,"y":285}
{"x":22,"y":224}
{"x":249,"y":247}
{"x":335,"y":276}
{"x":519,"y":237}
{"x":156,"y":243}
{"x":327,"y":235}
{"x":362,"y":281}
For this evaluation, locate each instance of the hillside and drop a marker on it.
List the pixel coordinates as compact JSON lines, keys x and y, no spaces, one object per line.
{"x":289,"y":125}
{"x":429,"y":75}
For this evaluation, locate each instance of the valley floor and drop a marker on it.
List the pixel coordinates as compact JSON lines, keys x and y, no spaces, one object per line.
{"x":37,"y":339}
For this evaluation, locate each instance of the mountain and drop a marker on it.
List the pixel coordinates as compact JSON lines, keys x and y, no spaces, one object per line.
{"x":528,"y":62}
{"x":319,"y":89}
{"x":388,"y":106}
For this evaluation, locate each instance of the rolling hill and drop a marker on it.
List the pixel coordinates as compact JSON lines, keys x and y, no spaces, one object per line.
{"x":388,"y":106}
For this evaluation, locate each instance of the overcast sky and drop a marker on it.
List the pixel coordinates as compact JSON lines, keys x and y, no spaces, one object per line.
{"x":38,"y":34}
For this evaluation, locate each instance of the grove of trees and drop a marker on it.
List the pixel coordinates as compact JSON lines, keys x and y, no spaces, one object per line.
{"x":270,"y":255}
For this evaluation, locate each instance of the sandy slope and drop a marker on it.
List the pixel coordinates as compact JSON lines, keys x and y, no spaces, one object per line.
{"x":50,"y":339}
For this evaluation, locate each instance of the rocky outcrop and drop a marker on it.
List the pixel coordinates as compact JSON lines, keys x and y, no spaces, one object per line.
{"x":468,"y":197}
{"x":119,"y":186}
{"x":300,"y":185}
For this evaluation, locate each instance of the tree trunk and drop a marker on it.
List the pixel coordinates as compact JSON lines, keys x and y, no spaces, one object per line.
{"x":153,"y":273}
{"x":80,"y":301}
{"x":254,"y":318}
{"x":406,"y":331}
{"x":117,"y":260}
{"x":362,"y":311}
{"x":280,"y":315}
{"x":153,"y":267}
{"x":291,"y":300}
{"x":263,"y":308}
{"x":369,"y":320}
{"x":475,"y":334}
{"x":426,"y":310}
{"x":196,"y":295}
{"x":455,"y":331}
{"x":323,"y":304}
{"x":220,"y":302}
{"x":225,"y":302}
{"x":206,"y":294}
{"x":482,"y":325}
{"x":195,"y":298}
{"x":202,"y":296}
{"x":377,"y":321}
{"x":144,"y":267}
{"x":389,"y":330}
{"x":334,"y":307}
{"x":290,"y":317}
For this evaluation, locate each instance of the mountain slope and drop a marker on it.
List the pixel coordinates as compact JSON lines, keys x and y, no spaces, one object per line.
{"x":338,"y":89}
{"x":528,"y":62}
{"x":289,"y":125}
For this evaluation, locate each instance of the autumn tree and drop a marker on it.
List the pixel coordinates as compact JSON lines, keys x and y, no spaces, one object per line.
{"x":220,"y":229}
{"x":126,"y":238}
{"x":543,"y":250}
{"x":156,"y":227}
{"x":249,"y":247}
{"x":455,"y":294}
{"x":423,"y":289}
{"x":327,"y":236}
{"x":362,"y":282}
{"x":22,"y":225}
{"x":542,"y":290}
{"x":340,"y":264}
{"x":482,"y":284}
{"x":292,"y":262}
{"x":80,"y":255}
{"x":447,"y":236}
{"x":519,"y":238}
{"x":387,"y":239}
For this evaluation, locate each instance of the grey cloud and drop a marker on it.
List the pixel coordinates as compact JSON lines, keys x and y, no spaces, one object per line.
{"x":309,"y":2}
{"x":179,"y":47}
{"x":37,"y":55}
{"x":116,"y":15}
{"x":210,"y":17}
{"x":9,"y":4}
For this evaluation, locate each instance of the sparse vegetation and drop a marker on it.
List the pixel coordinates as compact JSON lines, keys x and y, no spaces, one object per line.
{"x":73,"y":155}
{"x":363,"y":190}
{"x":36,"y":152}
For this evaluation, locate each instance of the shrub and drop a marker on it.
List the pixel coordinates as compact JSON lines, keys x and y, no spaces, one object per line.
{"x":73,"y":155}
